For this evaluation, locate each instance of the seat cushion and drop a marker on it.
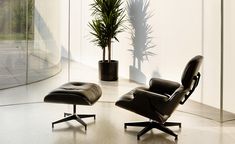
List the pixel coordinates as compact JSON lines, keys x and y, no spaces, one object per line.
{"x":80,"y":93}
{"x":140,"y":105}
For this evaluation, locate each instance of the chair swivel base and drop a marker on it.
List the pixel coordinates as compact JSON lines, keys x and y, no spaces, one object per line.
{"x":152,"y":124}
{"x":74,"y":116}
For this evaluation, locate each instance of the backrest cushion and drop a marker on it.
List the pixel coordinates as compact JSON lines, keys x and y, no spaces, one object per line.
{"x":190,"y":71}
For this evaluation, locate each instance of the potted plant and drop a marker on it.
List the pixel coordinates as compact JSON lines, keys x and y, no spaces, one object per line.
{"x":108,"y":22}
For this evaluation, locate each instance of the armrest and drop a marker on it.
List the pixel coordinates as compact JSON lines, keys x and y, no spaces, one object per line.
{"x":163,"y":86}
{"x":140,"y":93}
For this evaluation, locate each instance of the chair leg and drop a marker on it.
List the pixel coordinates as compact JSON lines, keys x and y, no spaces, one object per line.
{"x":145,"y":130}
{"x":137,"y":124}
{"x":165,"y":129}
{"x":172,"y":124}
{"x":152,"y":124}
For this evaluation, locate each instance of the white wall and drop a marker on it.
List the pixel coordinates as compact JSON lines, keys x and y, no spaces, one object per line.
{"x":229,"y":55}
{"x":211,"y":52}
{"x":180,"y":30}
{"x":175,"y":31}
{"x":176,"y":37}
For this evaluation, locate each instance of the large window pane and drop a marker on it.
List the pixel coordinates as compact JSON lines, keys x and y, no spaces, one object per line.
{"x":13,"y":44}
{"x":44,"y":50}
{"x":29,"y":41}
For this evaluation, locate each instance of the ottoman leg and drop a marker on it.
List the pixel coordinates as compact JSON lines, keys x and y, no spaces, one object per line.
{"x":81,"y":121}
{"x":64,"y":120}
{"x":67,"y":114}
{"x":86,"y":115}
{"x":74,"y":116}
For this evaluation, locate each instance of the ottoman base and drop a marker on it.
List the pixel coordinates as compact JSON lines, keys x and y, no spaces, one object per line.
{"x":74,"y":116}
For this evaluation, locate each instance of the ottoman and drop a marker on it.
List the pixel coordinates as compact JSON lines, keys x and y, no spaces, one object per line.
{"x":75,"y":93}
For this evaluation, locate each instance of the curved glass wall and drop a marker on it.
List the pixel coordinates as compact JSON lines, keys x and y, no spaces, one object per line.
{"x":29,"y":41}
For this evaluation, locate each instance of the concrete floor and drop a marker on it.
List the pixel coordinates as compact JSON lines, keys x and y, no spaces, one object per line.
{"x":31,"y":124}
{"x":26,"y":119}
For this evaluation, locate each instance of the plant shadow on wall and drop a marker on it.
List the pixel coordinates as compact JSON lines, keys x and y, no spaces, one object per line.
{"x":141,"y":38}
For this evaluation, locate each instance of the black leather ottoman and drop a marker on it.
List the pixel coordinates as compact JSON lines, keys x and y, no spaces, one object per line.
{"x":76,"y":93}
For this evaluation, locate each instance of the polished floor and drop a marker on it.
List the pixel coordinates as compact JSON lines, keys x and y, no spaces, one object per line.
{"x":26,"y":119}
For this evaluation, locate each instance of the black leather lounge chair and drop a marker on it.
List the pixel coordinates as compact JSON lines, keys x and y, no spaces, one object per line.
{"x":161,"y":99}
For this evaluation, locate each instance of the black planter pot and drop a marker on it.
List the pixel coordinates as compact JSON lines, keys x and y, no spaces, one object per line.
{"x":108,"y":71}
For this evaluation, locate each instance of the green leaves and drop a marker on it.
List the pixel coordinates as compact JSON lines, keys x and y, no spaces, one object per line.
{"x":111,"y":15}
{"x":108,"y":22}
{"x":98,"y":31}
